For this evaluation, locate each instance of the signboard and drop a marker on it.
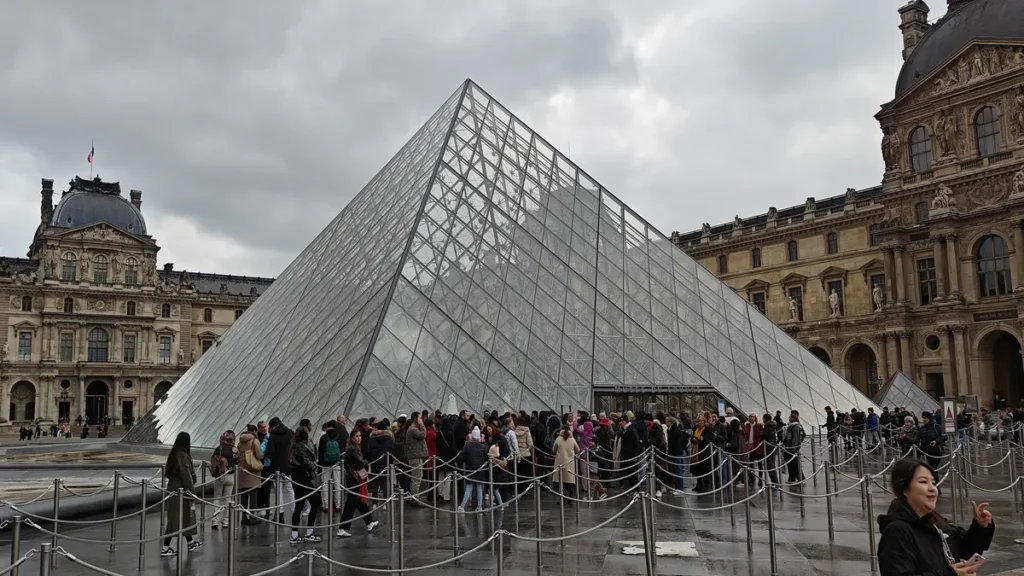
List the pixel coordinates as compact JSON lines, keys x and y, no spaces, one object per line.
{"x":949,"y":415}
{"x":996,"y":315}
{"x":721,"y":407}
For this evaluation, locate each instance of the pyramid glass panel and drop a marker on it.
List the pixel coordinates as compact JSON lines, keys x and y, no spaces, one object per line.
{"x":482,"y":269}
{"x":902,"y":392}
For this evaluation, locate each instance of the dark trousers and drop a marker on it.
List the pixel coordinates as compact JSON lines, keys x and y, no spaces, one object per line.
{"x":314,"y":505}
{"x":354,"y":503}
{"x":249,"y":499}
{"x":263,"y":492}
{"x":793,"y":466}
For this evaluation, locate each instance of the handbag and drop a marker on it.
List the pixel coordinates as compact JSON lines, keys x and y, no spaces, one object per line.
{"x":362,"y":475}
{"x":252,"y":463}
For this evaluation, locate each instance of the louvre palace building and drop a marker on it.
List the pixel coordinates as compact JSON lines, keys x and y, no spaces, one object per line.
{"x":924,"y":273}
{"x":93,"y":327}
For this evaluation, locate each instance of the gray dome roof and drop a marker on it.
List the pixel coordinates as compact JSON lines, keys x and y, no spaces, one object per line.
{"x":978,"y":20}
{"x":92,"y":201}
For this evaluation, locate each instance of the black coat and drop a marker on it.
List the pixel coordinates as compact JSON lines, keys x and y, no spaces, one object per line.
{"x":629,"y":446}
{"x":473,"y":459}
{"x":381,"y":442}
{"x":459,"y":433}
{"x":278,"y":448}
{"x":911,"y":545}
{"x":676,"y":440}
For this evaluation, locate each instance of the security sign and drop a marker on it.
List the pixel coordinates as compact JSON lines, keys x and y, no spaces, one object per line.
{"x":948,"y":416}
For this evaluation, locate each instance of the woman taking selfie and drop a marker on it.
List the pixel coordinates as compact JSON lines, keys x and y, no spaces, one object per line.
{"x":917,"y":540}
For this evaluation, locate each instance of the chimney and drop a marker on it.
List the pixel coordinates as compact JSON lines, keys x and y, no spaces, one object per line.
{"x":914,"y":23}
{"x":46,"y":205}
{"x":137,"y":198}
{"x":169,"y":267}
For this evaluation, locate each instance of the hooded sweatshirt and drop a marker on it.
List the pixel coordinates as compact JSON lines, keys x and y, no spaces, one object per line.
{"x":912,"y":545}
{"x":278,"y":449}
{"x":381,"y":442}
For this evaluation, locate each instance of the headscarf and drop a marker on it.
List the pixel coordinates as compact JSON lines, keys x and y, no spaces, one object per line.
{"x":476,"y":434}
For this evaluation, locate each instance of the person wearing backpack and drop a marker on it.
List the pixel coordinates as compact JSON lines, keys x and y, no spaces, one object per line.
{"x":222,"y":468}
{"x":329,"y":457}
{"x":250,"y":462}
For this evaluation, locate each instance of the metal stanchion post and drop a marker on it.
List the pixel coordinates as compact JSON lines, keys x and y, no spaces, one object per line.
{"x":537,"y":517}
{"x":648,"y":540}
{"x":182,"y":519}
{"x":771,"y":531}
{"x":860,"y":472}
{"x":56,"y":515}
{"x":201,"y":520}
{"x":732,"y":489}
{"x":437,"y":486}
{"x":828,"y":502}
{"x":142,"y":525}
{"x":490,"y":491}
{"x":232,"y":534}
{"x":163,"y":501}
{"x":309,"y":564}
{"x":800,"y":483}
{"x":871,"y":528}
{"x":1013,"y":476}
{"x":15,"y":544}
{"x":651,"y":491}
{"x":330,"y":524}
{"x":113,"y":521}
{"x":814,"y":463}
{"x":746,"y":509}
{"x":391,"y":501}
{"x":278,"y":512}
{"x":500,"y":568}
{"x":401,"y":529}
{"x":953,"y":463}
{"x":45,"y":559}
{"x":561,"y":510}
{"x":455,"y":514}
{"x":587,"y":483}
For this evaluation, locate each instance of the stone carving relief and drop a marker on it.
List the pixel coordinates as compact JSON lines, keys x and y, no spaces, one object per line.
{"x":896,"y":216}
{"x":982,"y":62}
{"x":15,"y":303}
{"x":985,"y":193}
{"x":944,"y":199}
{"x":100,"y":305}
{"x":1017,"y":114}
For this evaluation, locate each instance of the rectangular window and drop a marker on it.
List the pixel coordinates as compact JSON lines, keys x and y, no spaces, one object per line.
{"x":26,"y":303}
{"x":926,"y":280}
{"x":758,"y":300}
{"x":99,"y":271}
{"x":723,"y":264}
{"x":25,"y":346}
{"x":238,"y":314}
{"x":129,"y":347}
{"x":131,"y":275}
{"x":207,"y":344}
{"x":837,"y":285}
{"x":797,"y":293}
{"x":67,"y":346}
{"x":165,"y":349}
{"x":68,"y":270}
{"x":755,"y":258}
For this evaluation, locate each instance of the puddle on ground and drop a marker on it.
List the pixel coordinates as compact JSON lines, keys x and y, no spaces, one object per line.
{"x":85,"y":456}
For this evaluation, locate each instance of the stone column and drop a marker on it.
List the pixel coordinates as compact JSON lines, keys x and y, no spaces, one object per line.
{"x":4,"y":399}
{"x":906,"y":365}
{"x":883,"y":360}
{"x":81,"y":397}
{"x":890,"y":275}
{"x":114,"y":411}
{"x":83,"y":344}
{"x":941,"y":269}
{"x":961,"y":357}
{"x":953,"y":261}
{"x":901,"y":280}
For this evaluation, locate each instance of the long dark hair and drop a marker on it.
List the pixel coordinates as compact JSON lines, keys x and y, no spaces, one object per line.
{"x":566,"y":431}
{"x":301,"y":436}
{"x":903,"y":473}
{"x":182,"y":445}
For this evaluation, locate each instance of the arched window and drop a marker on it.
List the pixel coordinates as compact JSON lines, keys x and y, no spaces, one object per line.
{"x":69,"y":305}
{"x":723,"y":266}
{"x":755,"y":258}
{"x":792,"y":253}
{"x":986,"y":130}
{"x":68,"y":267}
{"x":131,"y":271}
{"x":165,"y":311}
{"x":131,"y":308}
{"x":921,"y":212}
{"x":920,"y":150}
{"x":99,"y":269}
{"x":832,"y":240}
{"x":207,"y":315}
{"x":99,"y":343}
{"x":993,"y":266}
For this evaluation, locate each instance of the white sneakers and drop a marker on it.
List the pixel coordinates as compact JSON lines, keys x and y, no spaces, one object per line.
{"x":341,"y":533}
{"x":371,"y":526}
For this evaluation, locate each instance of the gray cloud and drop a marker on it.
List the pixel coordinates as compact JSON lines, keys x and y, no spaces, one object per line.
{"x":250,"y":124}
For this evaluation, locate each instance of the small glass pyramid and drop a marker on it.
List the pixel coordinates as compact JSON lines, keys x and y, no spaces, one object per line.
{"x":901,"y":391}
{"x":480,"y":270}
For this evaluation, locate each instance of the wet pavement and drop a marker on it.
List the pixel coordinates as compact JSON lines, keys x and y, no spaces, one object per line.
{"x":802,"y":545}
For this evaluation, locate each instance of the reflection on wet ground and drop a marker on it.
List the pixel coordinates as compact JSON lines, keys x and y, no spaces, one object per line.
{"x":90,"y":456}
{"x":20,"y":486}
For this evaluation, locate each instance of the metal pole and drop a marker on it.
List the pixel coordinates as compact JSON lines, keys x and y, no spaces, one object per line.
{"x":732,"y":490}
{"x":180,"y":565}
{"x":401,"y":529}
{"x":330,"y":524}
{"x":746,"y":509}
{"x":536,"y":511}
{"x":771,"y":530}
{"x":814,"y":464}
{"x":142,"y":525}
{"x":391,"y":501}
{"x":232,"y":534}
{"x":490,"y":490}
{"x":1013,"y":476}
{"x":56,"y":516}
{"x":828,"y":502}
{"x":163,"y":501}
{"x":953,"y":463}
{"x":455,"y":513}
{"x":648,"y":541}
{"x":45,"y":559}
{"x":500,"y":568}
{"x":202,"y":501}
{"x":278,"y":510}
{"x":309,"y":564}
{"x":113,"y":521}
{"x":589,"y":495}
{"x":437,"y":486}
{"x":860,"y":472}
{"x":871,"y":529}
{"x":16,"y":544}
{"x":561,"y":510}
{"x":652,"y":522}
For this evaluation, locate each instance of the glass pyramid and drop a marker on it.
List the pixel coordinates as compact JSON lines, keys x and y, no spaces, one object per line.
{"x":480,"y":270}
{"x":902,"y":391}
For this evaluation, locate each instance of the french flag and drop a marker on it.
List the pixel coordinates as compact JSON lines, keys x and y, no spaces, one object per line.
{"x":91,"y":152}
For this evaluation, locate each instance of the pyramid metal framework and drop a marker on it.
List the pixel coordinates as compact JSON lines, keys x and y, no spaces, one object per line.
{"x":901,"y":391}
{"x":481,"y":269}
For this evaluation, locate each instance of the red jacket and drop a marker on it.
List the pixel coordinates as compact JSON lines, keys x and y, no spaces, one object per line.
{"x":757,"y":447}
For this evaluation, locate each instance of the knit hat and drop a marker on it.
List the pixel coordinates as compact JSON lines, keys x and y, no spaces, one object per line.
{"x":908,"y":420}
{"x":630,"y":415}
{"x":476,"y":433}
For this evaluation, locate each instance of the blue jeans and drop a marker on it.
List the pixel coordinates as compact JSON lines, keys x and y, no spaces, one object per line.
{"x":677,"y":469}
{"x":495,"y":497}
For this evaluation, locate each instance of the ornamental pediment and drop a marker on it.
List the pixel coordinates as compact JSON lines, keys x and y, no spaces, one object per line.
{"x":756,"y":285}
{"x":103,"y":233}
{"x":976,"y":62}
{"x":794,"y":278}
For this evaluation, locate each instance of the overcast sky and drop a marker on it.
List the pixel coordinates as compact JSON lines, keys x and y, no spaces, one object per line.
{"x":249,"y":124}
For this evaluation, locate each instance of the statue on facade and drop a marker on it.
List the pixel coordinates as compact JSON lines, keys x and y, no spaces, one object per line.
{"x":809,"y":206}
{"x":793,"y":313}
{"x":194,"y":356}
{"x":3,"y":352}
{"x":185,"y":281}
{"x":977,"y":66}
{"x":115,"y":264}
{"x":891,"y":150}
{"x":181,"y":356}
{"x":1017,"y":113}
{"x":1018,"y":184}
{"x":876,"y":297}
{"x":943,"y":199}
{"x":705,"y":229}
{"x":833,"y":302}
{"x":851,"y":196}
{"x":946,"y":131}
{"x":84,"y":265}
{"x":737,"y":222}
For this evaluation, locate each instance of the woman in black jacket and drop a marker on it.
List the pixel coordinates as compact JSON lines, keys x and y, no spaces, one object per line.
{"x":916,"y":540}
{"x":474,"y":462}
{"x":304,"y":479}
{"x":356,"y":493}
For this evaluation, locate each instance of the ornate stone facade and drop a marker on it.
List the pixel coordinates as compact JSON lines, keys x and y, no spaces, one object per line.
{"x":928,"y":267}
{"x":92,"y":327}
